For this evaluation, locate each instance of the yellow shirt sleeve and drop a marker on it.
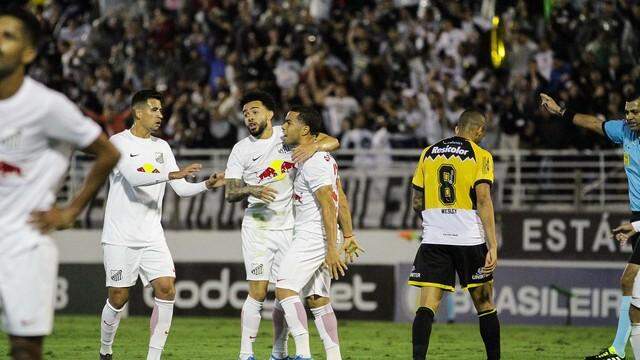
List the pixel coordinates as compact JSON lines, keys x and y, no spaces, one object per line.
{"x":485,"y":168}
{"x":418,"y":175}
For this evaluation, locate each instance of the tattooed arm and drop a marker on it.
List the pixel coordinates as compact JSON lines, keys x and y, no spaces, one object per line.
{"x":236,"y":190}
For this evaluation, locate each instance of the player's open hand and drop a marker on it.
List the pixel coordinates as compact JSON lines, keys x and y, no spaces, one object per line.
{"x":215,"y":180}
{"x":334,"y":263}
{"x":303,"y":152}
{"x":550,"y":105}
{"x":351,"y":249}
{"x":189,"y":170}
{"x":264,"y":193}
{"x":623,"y":232}
{"x":54,"y":219}
{"x":491,"y":261}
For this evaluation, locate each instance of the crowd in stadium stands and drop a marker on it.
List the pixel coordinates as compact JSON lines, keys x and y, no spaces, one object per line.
{"x":383,"y":75}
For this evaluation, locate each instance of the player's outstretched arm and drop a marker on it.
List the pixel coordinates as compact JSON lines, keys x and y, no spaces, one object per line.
{"x":323,"y":142}
{"x":236,"y":190}
{"x":582,"y":120}
{"x":485,"y":212}
{"x":325,"y":197}
{"x":106,"y":159}
{"x":351,"y":248}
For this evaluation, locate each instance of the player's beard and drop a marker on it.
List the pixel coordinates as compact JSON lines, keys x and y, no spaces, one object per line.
{"x":258,"y":132}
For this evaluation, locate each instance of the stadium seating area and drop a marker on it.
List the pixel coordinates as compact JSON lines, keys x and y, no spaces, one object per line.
{"x":384,"y":75}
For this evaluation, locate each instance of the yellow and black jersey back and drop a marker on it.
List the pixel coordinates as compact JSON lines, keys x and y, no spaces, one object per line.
{"x":447,"y":173}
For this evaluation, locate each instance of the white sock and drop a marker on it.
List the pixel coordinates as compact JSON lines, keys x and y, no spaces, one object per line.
{"x":327,"y":326}
{"x":297,"y":320}
{"x":160,"y":324}
{"x":250,"y":319}
{"x":280,"y":332}
{"x":635,"y":339}
{"x":108,"y":327}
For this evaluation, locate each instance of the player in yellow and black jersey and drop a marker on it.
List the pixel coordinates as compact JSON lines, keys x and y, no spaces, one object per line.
{"x":452,"y":192}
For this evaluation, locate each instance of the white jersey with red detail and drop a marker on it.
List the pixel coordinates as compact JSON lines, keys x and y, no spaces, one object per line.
{"x":318,"y":171}
{"x":137,"y":184}
{"x":265,"y":162}
{"x":39,"y":128}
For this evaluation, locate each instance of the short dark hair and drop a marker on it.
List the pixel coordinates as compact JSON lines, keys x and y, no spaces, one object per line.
{"x":310,"y":117}
{"x":470,"y":119}
{"x":143,"y":95}
{"x":266,"y":99}
{"x":29,"y":21}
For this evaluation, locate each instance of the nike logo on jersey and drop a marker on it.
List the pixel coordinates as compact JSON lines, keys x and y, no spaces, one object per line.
{"x":254,"y":159}
{"x":133,"y":155}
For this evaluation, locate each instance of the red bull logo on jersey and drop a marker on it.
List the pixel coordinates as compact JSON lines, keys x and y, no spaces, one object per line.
{"x":297,"y":197}
{"x":7,"y":169}
{"x":276,"y":171}
{"x":148,"y":168}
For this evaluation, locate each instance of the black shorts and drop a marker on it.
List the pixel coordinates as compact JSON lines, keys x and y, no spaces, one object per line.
{"x":436,"y":266}
{"x":635,"y":256}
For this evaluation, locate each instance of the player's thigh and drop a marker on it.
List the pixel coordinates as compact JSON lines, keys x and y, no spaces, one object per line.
{"x":28,"y":290}
{"x":302,"y":260}
{"x":121,"y":265}
{"x":482,"y":296}
{"x":431,"y":297}
{"x":156,"y":262}
{"x":279,"y":244}
{"x":434,"y":266}
{"x":469,"y":262}
{"x":258,"y":255}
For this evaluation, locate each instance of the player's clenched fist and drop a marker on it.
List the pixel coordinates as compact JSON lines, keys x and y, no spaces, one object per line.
{"x":623,"y":232}
{"x":550,"y":105}
{"x":189,"y":170}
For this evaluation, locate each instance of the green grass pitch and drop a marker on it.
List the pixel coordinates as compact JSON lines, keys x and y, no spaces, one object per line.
{"x":78,"y":337}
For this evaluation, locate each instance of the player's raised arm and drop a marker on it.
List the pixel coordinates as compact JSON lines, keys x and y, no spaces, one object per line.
{"x":323,"y":142}
{"x":582,"y":120}
{"x":325,"y":197}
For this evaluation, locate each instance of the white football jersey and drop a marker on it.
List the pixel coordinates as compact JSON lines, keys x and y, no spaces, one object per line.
{"x":39,"y":128}
{"x":136,"y":190}
{"x":265,"y":162}
{"x":320,"y":170}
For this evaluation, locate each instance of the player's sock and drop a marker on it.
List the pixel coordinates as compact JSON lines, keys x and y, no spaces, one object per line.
{"x":160,"y":324}
{"x":421,"y":332}
{"x":250,"y":318}
{"x":490,"y":331}
{"x":327,"y":326}
{"x":296,"y":318}
{"x":108,"y":327}
{"x":624,"y":327}
{"x":635,"y":340}
{"x":280,"y":332}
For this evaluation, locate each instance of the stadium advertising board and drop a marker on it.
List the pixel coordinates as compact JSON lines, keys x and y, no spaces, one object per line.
{"x":219,"y":289}
{"x":562,"y":236}
{"x":533,"y":295}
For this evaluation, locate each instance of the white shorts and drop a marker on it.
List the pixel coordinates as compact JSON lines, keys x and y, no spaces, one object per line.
{"x":302,"y":268}
{"x":263,"y":251}
{"x":123,"y":264}
{"x":28,"y":283}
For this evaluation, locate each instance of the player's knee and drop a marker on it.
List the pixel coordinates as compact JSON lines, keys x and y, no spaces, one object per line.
{"x":26,"y":348}
{"x":634,"y":311}
{"x":165,"y":292}
{"x":317,"y":301}
{"x":258,"y":293}
{"x":118,"y":297}
{"x":482,"y":298}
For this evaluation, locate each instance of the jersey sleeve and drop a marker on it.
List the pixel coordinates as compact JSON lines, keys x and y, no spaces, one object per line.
{"x":418,"y":175}
{"x":181,"y":186}
{"x":235,"y":168}
{"x":129,"y":168}
{"x":614,"y":130}
{"x":66,"y":123}
{"x":484,"y":172}
{"x":319,"y":172}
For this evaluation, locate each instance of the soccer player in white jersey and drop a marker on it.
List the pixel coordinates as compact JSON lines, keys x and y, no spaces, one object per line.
{"x":38,"y":129}
{"x":314,"y":257}
{"x":261,"y":168}
{"x":133,"y":240}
